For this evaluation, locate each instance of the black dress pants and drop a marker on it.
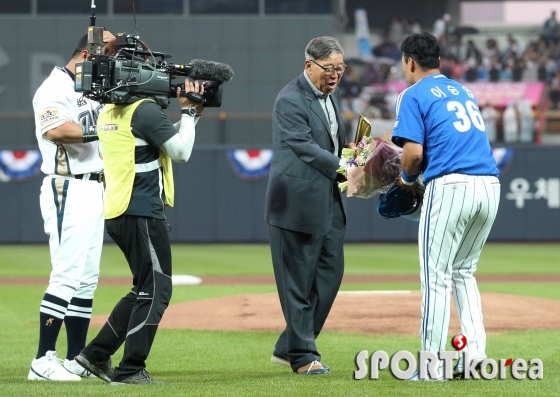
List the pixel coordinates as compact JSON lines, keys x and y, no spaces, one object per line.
{"x":308,"y":270}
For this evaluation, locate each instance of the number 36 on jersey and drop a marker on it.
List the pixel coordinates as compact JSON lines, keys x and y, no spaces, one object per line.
{"x":467,"y":112}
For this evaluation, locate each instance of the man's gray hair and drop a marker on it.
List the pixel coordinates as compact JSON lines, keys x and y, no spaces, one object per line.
{"x":322,"y":47}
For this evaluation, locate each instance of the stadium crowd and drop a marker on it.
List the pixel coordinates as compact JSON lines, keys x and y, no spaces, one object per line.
{"x":462,"y":59}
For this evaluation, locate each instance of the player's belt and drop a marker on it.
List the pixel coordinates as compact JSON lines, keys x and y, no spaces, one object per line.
{"x":95,"y":176}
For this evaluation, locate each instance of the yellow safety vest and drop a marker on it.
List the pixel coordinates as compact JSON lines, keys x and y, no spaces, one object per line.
{"x":118,"y":144}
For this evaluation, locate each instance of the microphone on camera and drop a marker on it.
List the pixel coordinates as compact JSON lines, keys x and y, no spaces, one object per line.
{"x":210,"y":70}
{"x":199,"y":69}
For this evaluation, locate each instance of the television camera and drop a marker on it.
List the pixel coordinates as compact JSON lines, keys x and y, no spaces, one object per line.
{"x":137,"y":72}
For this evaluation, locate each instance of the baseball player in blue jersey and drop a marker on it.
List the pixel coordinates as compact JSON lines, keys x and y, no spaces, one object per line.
{"x":442,"y":133}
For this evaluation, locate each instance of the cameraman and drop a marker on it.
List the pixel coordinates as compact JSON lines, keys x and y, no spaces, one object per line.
{"x":138,"y":142}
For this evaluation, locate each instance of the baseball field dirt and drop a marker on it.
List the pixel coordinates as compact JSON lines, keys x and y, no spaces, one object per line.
{"x":367,"y":312}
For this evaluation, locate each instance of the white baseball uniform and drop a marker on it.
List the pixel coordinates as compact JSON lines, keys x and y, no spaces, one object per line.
{"x":72,"y":208}
{"x":459,"y":205}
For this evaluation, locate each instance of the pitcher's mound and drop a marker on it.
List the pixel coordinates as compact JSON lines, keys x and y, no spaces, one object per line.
{"x":369,"y":312}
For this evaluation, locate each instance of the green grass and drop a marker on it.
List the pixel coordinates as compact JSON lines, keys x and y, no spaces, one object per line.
{"x":217,"y":363}
{"x":220,"y":363}
{"x":254,"y":259}
{"x":537,"y":290}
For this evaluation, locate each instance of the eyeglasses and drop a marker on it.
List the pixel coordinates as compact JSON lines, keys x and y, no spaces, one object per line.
{"x":329,"y":70}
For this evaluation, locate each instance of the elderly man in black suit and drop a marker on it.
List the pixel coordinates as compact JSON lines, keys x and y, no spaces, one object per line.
{"x":305,"y":209}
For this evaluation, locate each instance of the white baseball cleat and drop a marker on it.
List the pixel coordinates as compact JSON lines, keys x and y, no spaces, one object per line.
{"x":416,"y":377}
{"x":75,"y":368}
{"x":474,"y":361}
{"x":49,"y":367}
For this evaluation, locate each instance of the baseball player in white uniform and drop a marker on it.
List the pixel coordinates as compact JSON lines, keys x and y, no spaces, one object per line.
{"x":71,"y":202}
{"x":442,"y":133}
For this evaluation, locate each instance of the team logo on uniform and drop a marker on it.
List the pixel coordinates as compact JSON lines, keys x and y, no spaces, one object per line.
{"x":110,"y":127}
{"x":49,"y":322}
{"x":81,"y":101}
{"x":48,"y":116}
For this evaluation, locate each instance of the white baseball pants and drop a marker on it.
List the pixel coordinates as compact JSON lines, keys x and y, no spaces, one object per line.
{"x":457,"y":215}
{"x":72,"y":210}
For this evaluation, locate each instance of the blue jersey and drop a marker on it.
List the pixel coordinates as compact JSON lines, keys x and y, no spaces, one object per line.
{"x":443,"y":116}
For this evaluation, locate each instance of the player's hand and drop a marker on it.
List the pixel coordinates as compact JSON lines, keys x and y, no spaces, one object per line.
{"x":352,"y":145}
{"x":108,"y":36}
{"x":190,"y":86}
{"x":409,"y":188}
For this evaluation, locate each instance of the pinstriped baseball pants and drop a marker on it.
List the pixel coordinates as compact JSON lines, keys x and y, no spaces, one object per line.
{"x":457,"y":214}
{"x":73,"y":213}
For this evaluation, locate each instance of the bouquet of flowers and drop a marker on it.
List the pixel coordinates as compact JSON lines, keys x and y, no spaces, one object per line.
{"x":372,"y":167}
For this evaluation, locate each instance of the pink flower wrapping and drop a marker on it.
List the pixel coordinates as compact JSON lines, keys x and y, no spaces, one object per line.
{"x":378,"y":173}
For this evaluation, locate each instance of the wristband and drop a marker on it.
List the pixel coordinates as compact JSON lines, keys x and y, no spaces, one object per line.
{"x":408,"y":179}
{"x":89,"y":134}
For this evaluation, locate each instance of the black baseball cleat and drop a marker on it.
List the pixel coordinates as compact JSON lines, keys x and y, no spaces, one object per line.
{"x":101,"y":369}
{"x":140,"y":378}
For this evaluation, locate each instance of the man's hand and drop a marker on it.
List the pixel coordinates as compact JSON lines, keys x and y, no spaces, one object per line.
{"x":185,"y":102}
{"x":108,"y":36}
{"x":409,"y":188}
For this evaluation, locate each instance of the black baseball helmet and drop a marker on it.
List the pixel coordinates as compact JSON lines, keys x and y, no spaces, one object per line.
{"x":398,"y":202}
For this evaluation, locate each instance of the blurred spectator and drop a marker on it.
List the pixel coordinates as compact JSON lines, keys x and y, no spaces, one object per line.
{"x":550,"y":29}
{"x":473,"y":52}
{"x":412,"y":26}
{"x":385,"y":72}
{"x":472,"y":73}
{"x":509,"y":119}
{"x":526,"y":120}
{"x":494,"y":72}
{"x":542,"y":71}
{"x":350,"y":82}
{"x":490,"y":117}
{"x":387,"y":49}
{"x":554,"y":91}
{"x":396,"y":32}
{"x":454,"y":48}
{"x":505,"y":73}
{"x":542,"y":47}
{"x":491,"y":51}
{"x":532,"y":52}
{"x":518,"y":69}
{"x":371,"y":76}
{"x":391,"y":100}
{"x":441,"y":27}
{"x":457,"y":68}
{"x":351,"y":76}
{"x":445,"y":67}
{"x":347,"y":115}
{"x":512,"y":48}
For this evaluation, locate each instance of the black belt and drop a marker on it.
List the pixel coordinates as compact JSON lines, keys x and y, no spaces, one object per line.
{"x":99,"y":177}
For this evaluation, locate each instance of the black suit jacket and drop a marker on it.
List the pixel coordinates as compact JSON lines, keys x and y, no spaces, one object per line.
{"x":302,"y":176}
